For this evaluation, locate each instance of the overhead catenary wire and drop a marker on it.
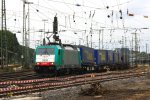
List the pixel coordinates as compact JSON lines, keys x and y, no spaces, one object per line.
{"x":62,"y":12}
{"x":78,"y":16}
{"x":88,"y":6}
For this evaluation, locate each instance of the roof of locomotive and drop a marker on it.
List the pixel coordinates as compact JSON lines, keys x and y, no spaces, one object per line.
{"x":49,"y":46}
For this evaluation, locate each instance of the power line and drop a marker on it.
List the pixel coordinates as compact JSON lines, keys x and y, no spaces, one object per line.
{"x":90,"y":6}
{"x":72,"y":15}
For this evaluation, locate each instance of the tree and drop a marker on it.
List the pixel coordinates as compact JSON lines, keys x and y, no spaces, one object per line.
{"x":15,"y":50}
{"x":11,"y":42}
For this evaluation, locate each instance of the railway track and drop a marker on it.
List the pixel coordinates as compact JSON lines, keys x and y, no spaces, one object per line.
{"x":22,"y":75}
{"x":36,"y":85}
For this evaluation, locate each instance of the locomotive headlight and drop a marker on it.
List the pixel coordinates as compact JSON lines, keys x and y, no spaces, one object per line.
{"x":52,"y":63}
{"x":37,"y":63}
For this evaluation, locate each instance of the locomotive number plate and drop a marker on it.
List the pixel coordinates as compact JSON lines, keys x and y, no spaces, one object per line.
{"x":45,"y":60}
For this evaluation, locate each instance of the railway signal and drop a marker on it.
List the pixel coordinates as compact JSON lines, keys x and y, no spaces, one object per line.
{"x":55,"y":26}
{"x":55,"y":31}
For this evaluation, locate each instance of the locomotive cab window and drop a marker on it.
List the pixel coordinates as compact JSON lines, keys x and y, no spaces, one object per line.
{"x":42,"y":51}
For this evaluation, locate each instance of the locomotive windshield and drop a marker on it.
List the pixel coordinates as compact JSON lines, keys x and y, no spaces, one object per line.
{"x":44,"y":51}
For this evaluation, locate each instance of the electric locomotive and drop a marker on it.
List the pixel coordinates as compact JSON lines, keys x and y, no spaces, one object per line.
{"x":54,"y":58}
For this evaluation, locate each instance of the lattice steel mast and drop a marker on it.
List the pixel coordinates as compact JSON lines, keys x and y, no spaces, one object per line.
{"x":26,"y":34}
{"x":4,"y":52}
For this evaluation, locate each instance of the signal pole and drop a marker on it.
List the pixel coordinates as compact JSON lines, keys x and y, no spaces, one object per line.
{"x":26,"y":34}
{"x":87,"y":41}
{"x":23,"y":22}
{"x":146,"y":48}
{"x":4,"y":43}
{"x":146,"y":54}
{"x":136,"y":47}
{"x":102,"y":39}
{"x":91,"y":31}
{"x":44,"y":20}
{"x":132,"y":51}
{"x":122,"y":42}
{"x":23,"y":33}
{"x":99,"y":38}
{"x":125,"y":41}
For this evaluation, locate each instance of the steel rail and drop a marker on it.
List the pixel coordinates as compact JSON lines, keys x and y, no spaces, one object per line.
{"x":63,"y":84}
{"x":61,"y":78}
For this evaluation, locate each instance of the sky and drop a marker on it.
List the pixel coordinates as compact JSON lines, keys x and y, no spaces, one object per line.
{"x":78,"y":19}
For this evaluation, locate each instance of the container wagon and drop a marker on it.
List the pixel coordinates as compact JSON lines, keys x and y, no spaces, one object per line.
{"x":87,"y":57}
{"x":110,"y":61}
{"x":123,"y":57}
{"x":101,"y":58}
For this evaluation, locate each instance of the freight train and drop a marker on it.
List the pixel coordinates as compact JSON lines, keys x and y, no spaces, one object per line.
{"x":54,"y":58}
